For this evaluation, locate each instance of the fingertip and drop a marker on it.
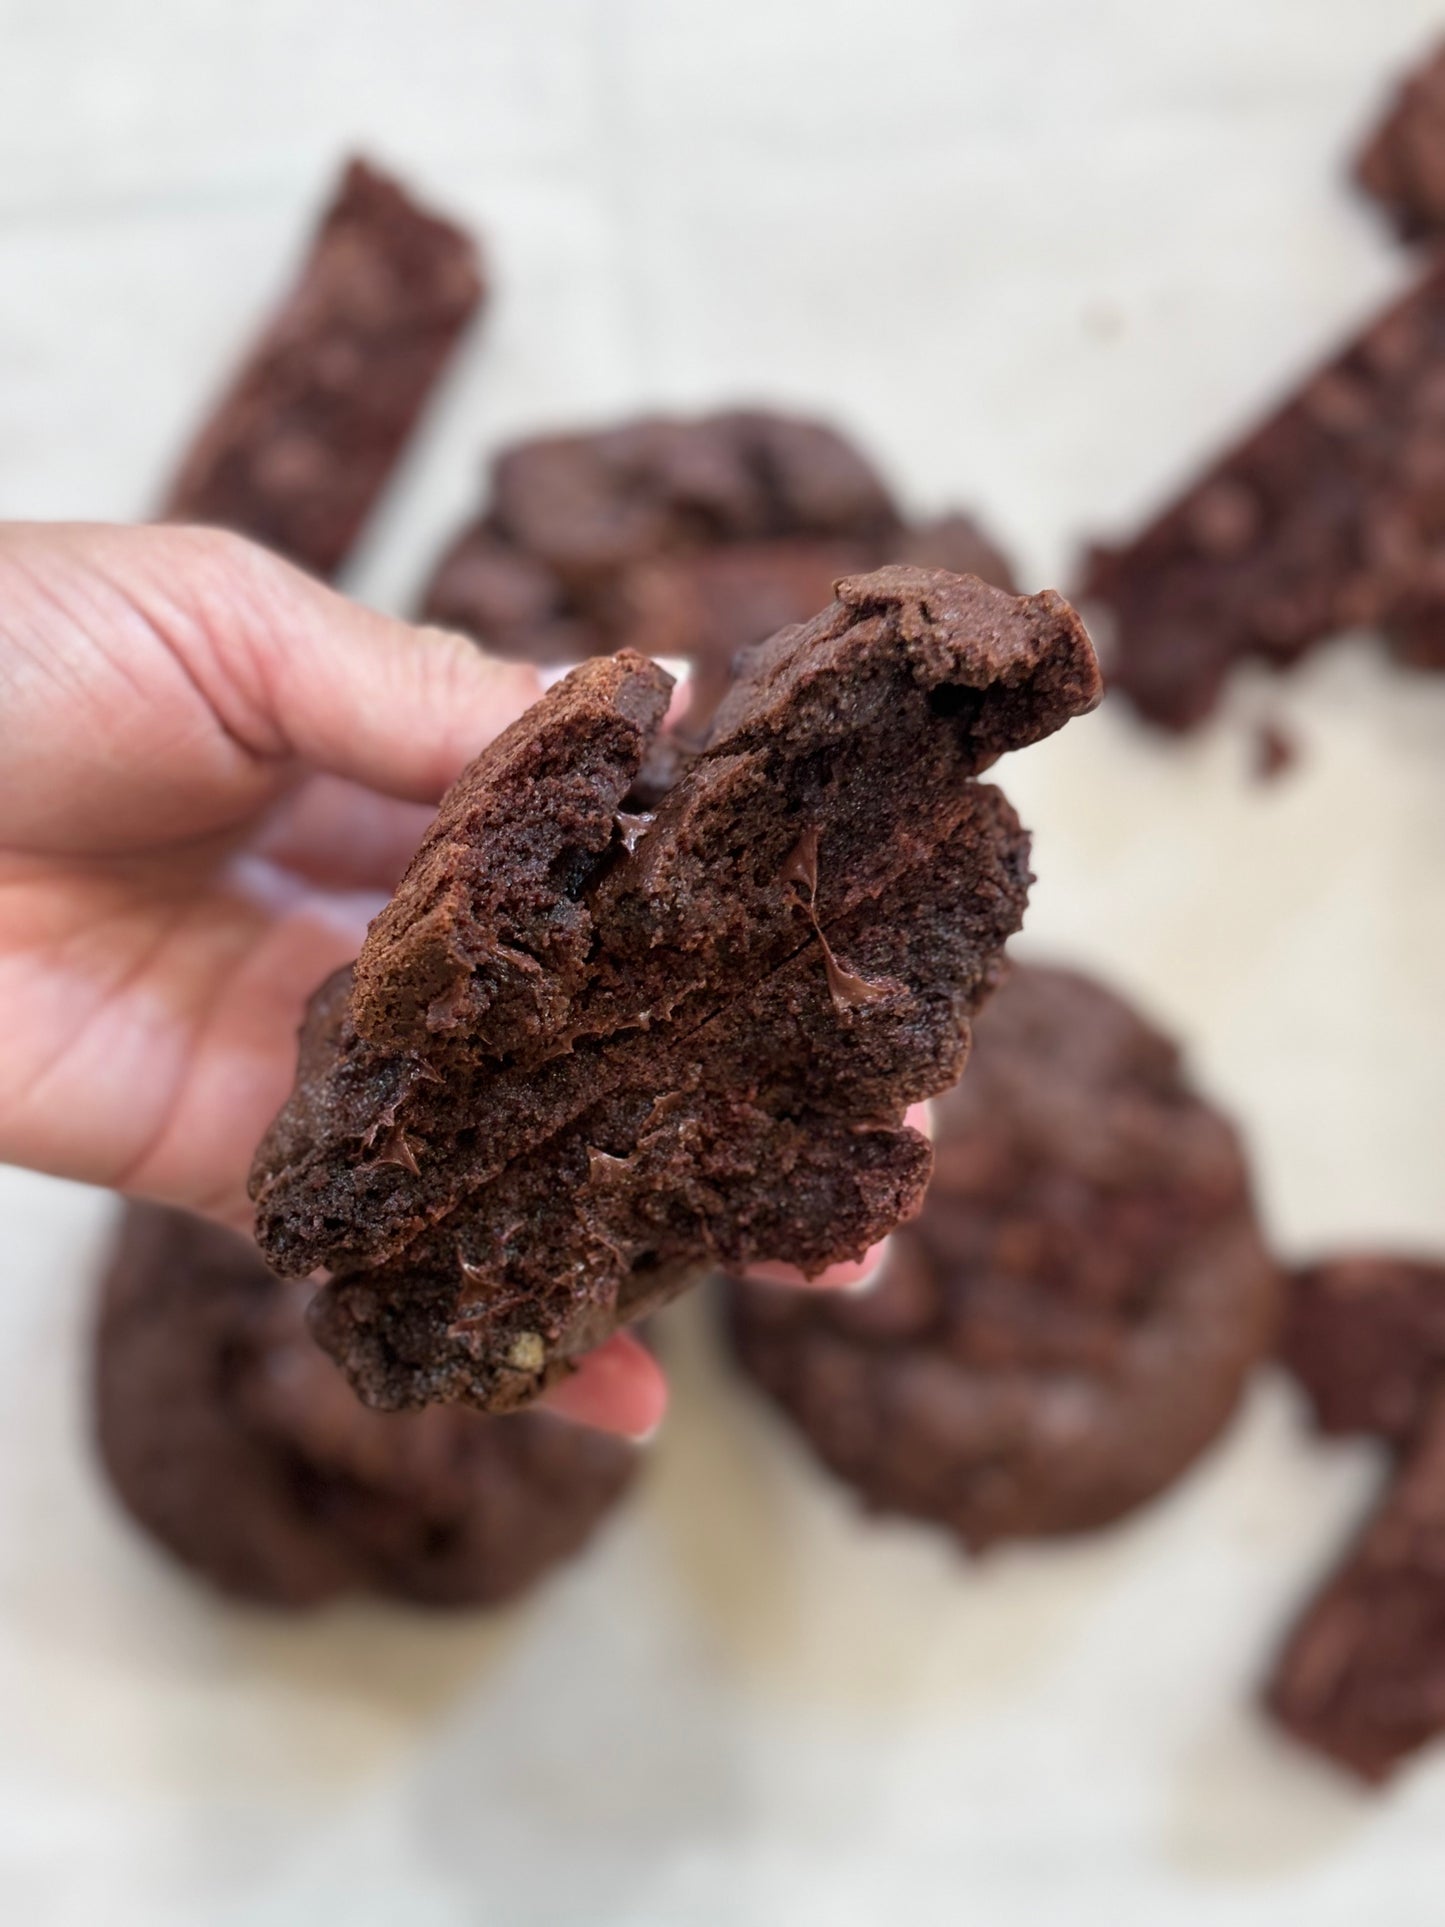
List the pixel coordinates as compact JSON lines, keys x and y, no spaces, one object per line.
{"x":852,"y":1274}
{"x":618,"y":1388}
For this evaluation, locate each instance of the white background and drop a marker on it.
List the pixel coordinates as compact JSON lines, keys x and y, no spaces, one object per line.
{"x":1039,"y":256}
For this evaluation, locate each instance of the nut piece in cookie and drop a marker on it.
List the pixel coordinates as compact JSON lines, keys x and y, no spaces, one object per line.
{"x":617,"y":1052}
{"x":238,"y":1445}
{"x":297,"y":450}
{"x":1070,"y":1319}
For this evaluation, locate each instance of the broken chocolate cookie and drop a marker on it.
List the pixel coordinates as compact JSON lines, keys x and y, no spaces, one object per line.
{"x":1069,"y":1321}
{"x":1365,"y":1337}
{"x":297,"y":451}
{"x":583,"y":1053}
{"x":1402,"y":165}
{"x":238,"y":1444}
{"x":1325,"y":519}
{"x":1362,"y":1676}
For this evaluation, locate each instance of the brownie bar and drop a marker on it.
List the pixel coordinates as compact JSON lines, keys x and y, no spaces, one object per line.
{"x":238,"y":1445}
{"x":1327,"y":518}
{"x":1365,"y":1337}
{"x":584,"y":1053}
{"x":301,"y":444}
{"x":1069,"y":1321}
{"x":1402,"y":164}
{"x":1362,"y":1677}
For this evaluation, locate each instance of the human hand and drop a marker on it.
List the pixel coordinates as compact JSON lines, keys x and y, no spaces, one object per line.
{"x":212,"y":771}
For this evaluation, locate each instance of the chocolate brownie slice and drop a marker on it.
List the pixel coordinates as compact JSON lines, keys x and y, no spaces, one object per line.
{"x":1365,"y":1337}
{"x":584,"y":1053}
{"x":1069,"y":1321}
{"x":1362,"y":1677}
{"x":1327,"y":518}
{"x":1403,"y":162}
{"x":233,"y":1440}
{"x":299,"y":447}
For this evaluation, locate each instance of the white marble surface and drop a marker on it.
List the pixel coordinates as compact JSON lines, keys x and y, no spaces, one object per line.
{"x":1039,"y":255}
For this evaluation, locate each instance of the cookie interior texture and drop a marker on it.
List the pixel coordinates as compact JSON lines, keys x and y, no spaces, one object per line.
{"x":239,"y":1446}
{"x":584,"y":1054}
{"x":1321,"y":521}
{"x":1069,"y":1321}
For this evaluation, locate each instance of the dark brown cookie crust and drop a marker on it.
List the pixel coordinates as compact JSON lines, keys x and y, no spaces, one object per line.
{"x":743,"y":993}
{"x":1402,"y":164}
{"x":1323,"y":520}
{"x":300,"y":445}
{"x":234,"y":1441}
{"x":1070,"y":1320}
{"x":1361,"y":1678}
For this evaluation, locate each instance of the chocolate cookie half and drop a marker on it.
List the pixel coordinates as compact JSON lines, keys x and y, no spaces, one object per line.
{"x":1069,"y":1321}
{"x":583,"y":1053}
{"x":234,"y":1441}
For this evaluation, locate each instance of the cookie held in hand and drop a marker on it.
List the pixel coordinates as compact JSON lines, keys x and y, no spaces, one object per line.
{"x":585,"y":1054}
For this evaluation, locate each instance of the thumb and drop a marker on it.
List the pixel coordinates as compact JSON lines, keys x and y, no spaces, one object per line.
{"x":298,"y":673}
{"x":158,"y":683}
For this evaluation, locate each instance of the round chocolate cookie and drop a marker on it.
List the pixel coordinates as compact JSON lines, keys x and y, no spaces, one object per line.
{"x":692,"y":538}
{"x":1070,"y":1319}
{"x":234,"y":1440}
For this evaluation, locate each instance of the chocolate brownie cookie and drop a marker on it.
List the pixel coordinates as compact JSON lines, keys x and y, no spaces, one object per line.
{"x":1365,"y":1337}
{"x":1069,"y":1321}
{"x":1362,"y":1677}
{"x":683,"y":538}
{"x":584,"y":1052}
{"x":1327,"y":518}
{"x":1403,"y":162}
{"x":298,"y":449}
{"x":239,"y":1445}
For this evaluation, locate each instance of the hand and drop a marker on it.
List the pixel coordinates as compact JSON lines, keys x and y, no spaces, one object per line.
{"x":212,"y":771}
